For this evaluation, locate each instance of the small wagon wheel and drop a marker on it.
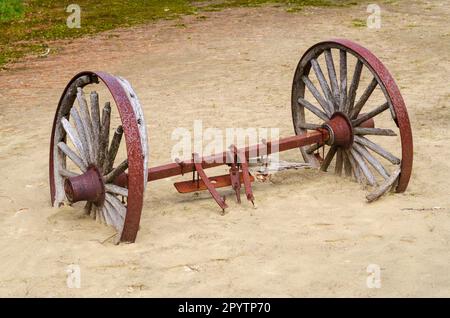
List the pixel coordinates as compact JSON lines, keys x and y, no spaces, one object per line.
{"x":84,"y":164}
{"x":334,"y":94}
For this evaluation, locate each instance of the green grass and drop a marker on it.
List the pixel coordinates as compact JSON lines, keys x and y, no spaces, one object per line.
{"x":358,"y":23}
{"x":27,"y":26}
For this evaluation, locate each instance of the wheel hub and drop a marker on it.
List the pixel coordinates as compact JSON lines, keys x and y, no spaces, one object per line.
{"x":86,"y":187}
{"x":341,"y":130}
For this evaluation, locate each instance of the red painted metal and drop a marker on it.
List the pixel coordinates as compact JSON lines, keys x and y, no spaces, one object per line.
{"x":87,"y":187}
{"x":392,"y":93}
{"x":198,"y":167}
{"x":282,"y":144}
{"x":217,"y":181}
{"x":341,"y":130}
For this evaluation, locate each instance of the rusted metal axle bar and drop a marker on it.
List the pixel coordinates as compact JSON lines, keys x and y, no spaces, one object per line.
{"x":174,"y":169}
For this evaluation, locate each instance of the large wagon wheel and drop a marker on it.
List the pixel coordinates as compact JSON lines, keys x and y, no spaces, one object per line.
{"x":84,"y":161}
{"x":361,"y":156}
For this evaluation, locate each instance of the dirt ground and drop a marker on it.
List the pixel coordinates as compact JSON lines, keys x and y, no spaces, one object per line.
{"x":312,"y":234}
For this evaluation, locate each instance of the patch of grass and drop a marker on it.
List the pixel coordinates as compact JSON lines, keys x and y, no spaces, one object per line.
{"x":358,"y":23}
{"x":26,"y":26}
{"x":10,"y":10}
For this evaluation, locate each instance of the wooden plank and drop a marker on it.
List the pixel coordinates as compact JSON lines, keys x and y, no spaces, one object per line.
{"x":313,"y":109}
{"x":356,"y":122}
{"x":354,"y":86}
{"x":377,"y":149}
{"x":363,"y":99}
{"x":322,"y":102}
{"x":333,"y":78}
{"x":374,"y":131}
{"x":384,"y":187}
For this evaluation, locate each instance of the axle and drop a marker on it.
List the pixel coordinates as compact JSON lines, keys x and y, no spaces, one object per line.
{"x":337,"y":132}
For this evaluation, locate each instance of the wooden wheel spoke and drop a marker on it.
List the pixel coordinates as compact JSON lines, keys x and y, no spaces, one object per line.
{"x":113,"y":149}
{"x":73,"y":156}
{"x":332,"y":76}
{"x":374,"y":131}
{"x":364,"y":168}
{"x":116,"y":171}
{"x":79,"y":127}
{"x":385,"y":186}
{"x":328,"y":158}
{"x":356,"y":122}
{"x":343,"y":79}
{"x":115,"y":212}
{"x":363,"y":99}
{"x":339,"y":162}
{"x":353,"y":167}
{"x":310,"y":150}
{"x":67,"y":173}
{"x":323,"y":103}
{"x":112,"y":188}
{"x":104,"y":134}
{"x":95,"y":119}
{"x":70,"y":131}
{"x":372,"y":160}
{"x":377,"y":149}
{"x":86,"y":119}
{"x":329,"y":98}
{"x":354,"y":86}
{"x":313,"y":109}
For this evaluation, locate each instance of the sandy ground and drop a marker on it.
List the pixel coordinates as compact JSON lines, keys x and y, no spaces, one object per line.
{"x":312,"y":234}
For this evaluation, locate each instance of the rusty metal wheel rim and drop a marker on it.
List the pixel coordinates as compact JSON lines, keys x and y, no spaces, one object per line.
{"x":383,"y":80}
{"x":134,"y":129}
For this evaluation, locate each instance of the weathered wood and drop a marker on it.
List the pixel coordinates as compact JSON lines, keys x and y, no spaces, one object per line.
{"x":72,"y":155}
{"x":356,"y":122}
{"x":333,"y":78}
{"x":384,"y":187}
{"x":309,"y":126}
{"x":86,"y":117}
{"x":79,"y":127}
{"x":116,"y":171}
{"x":70,"y":131}
{"x":363,"y":99}
{"x":322,"y":102}
{"x":93,"y":213}
{"x":88,"y":208}
{"x":116,"y":212}
{"x":112,"y":152}
{"x":67,"y":173}
{"x":374,"y":131}
{"x":313,"y":109}
{"x":339,"y":162}
{"x":364,"y":168}
{"x":112,"y":188}
{"x":354,"y":86}
{"x":372,"y":160}
{"x":329,"y":98}
{"x":347,"y":164}
{"x":343,"y":79}
{"x":95,"y":119}
{"x":377,"y":149}
{"x":313,"y":148}
{"x":355,"y":167}
{"x":104,"y":135}
{"x":328,"y":158}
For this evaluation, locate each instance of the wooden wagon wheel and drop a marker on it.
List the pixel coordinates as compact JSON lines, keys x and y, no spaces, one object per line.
{"x":83,"y":153}
{"x":335,"y":93}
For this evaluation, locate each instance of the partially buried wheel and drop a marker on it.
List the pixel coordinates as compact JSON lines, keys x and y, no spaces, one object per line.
{"x":88,"y":161}
{"x":372,"y":155}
